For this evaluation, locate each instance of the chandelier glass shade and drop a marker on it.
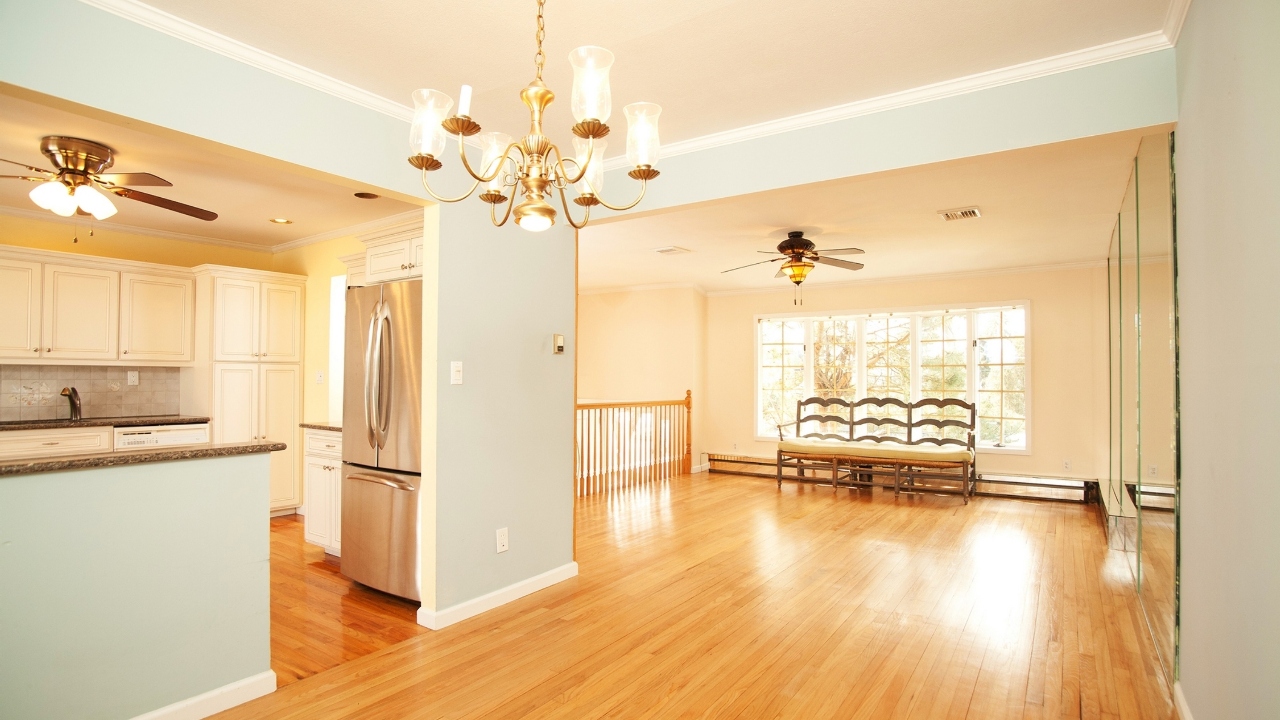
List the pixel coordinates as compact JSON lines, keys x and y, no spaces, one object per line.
{"x":533,"y":167}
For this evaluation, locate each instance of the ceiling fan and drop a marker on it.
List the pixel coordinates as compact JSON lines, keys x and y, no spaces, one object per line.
{"x":801,"y":255}
{"x":77,"y":181}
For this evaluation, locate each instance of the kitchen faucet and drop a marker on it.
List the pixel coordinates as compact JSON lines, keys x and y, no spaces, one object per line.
{"x":74,"y":397}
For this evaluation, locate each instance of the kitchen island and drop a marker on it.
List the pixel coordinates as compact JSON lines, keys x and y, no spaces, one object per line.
{"x":135,"y":582}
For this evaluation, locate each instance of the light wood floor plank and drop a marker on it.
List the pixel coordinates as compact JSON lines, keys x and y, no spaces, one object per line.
{"x":724,"y":597}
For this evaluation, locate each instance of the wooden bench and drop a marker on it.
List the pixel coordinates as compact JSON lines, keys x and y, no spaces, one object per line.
{"x":921,"y":460}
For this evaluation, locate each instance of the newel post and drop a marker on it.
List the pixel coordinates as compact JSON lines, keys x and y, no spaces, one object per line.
{"x":687,"y":465}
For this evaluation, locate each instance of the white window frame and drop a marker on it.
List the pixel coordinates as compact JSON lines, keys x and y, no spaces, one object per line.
{"x":861,"y":315}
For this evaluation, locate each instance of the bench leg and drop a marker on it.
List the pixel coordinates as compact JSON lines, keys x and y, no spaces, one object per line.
{"x":966,"y":483}
{"x":779,"y":469}
{"x":835,"y":476}
{"x":897,"y":475}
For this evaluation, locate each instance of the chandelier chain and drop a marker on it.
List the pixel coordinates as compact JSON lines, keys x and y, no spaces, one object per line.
{"x":539,"y":35}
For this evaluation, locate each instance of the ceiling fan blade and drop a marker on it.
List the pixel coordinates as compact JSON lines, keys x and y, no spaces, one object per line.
{"x":21,"y":177}
{"x":841,"y":251}
{"x":847,"y":265}
{"x":762,"y":262}
{"x":165,"y":203}
{"x":139,"y":179}
{"x":42,"y":171}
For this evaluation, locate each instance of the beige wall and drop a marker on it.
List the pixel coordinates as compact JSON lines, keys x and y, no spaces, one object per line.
{"x":1067,"y":349}
{"x":646,"y":345}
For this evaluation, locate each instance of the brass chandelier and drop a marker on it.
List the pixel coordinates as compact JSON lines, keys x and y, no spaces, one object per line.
{"x":534,"y":166}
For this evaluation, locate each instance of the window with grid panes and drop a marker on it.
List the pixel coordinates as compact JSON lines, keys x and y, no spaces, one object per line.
{"x":944,"y":368}
{"x":1000,"y":354}
{"x":888,"y":348}
{"x":835,"y":370}
{"x":782,"y":372}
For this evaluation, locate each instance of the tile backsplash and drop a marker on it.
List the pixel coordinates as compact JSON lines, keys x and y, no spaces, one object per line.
{"x":31,"y":392}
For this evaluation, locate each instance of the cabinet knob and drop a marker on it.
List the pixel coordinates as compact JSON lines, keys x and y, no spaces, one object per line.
{"x":35,"y":350}
{"x":126,"y":352}
{"x":48,"y":349}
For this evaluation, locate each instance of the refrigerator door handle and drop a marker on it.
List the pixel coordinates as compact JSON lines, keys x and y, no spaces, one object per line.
{"x":389,"y":481}
{"x":385,"y":358}
{"x":370,"y":377}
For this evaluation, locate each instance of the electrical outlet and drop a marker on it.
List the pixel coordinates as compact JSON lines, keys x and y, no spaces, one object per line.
{"x":319,"y":378}
{"x":735,"y":447}
{"x":133,"y":377}
{"x":502,"y":540}
{"x":455,"y":372}
{"x":1066,"y":465}
{"x":1151,"y":470}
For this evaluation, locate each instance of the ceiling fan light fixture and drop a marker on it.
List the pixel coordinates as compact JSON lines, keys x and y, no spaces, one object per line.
{"x":55,"y":196}
{"x":535,"y":215}
{"x":797,"y":270}
{"x":94,"y":202}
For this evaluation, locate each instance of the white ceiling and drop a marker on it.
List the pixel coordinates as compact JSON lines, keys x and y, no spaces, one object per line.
{"x":713,"y":65}
{"x":244,"y":194}
{"x":1047,"y":205}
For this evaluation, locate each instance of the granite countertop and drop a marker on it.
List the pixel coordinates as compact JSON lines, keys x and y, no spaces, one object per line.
{"x":133,"y":421}
{"x":321,"y":426}
{"x":29,"y":466}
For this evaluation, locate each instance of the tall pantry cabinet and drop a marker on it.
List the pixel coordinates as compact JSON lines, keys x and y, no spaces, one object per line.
{"x":248,"y":371}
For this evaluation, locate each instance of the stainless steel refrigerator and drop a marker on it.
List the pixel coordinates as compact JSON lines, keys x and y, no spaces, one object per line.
{"x":382,"y":436}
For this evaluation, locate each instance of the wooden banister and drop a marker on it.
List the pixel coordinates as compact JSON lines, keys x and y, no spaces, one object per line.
{"x":623,"y":444}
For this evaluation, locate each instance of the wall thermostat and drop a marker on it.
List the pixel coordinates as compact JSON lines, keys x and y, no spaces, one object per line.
{"x":557,"y":344}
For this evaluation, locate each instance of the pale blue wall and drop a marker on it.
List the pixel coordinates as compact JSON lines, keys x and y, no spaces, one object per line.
{"x":1228,"y":165}
{"x":146,"y":75}
{"x":505,"y":453}
{"x":1135,"y":92}
{"x":126,"y":589}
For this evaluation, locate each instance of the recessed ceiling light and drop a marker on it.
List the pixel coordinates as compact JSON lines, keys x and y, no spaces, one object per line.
{"x":671,"y":250}
{"x":282,"y":221}
{"x":367,"y":196}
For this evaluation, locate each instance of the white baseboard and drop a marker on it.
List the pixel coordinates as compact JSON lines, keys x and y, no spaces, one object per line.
{"x":704,"y":467}
{"x":437,"y":619}
{"x":216,"y":700}
{"x":1180,"y":702}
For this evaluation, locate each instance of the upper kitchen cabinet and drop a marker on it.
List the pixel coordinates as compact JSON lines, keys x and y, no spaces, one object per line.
{"x":81,"y":311}
{"x":157,"y":317}
{"x":394,"y":253}
{"x":20,"y":298}
{"x":256,"y":320}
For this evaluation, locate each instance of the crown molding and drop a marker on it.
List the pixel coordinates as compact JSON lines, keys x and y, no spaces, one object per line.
{"x":1173,"y":21}
{"x":1118,"y":50}
{"x":46,"y":216}
{"x":364,"y":228}
{"x":1014,"y":270}
{"x":174,"y":26}
{"x":644,"y":288}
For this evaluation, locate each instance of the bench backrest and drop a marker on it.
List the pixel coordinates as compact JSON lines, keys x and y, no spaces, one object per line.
{"x":923,"y":421}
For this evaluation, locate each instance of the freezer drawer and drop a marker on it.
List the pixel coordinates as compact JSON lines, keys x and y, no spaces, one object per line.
{"x":380,"y":529}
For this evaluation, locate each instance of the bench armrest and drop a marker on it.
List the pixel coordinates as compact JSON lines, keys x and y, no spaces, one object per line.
{"x":793,"y":422}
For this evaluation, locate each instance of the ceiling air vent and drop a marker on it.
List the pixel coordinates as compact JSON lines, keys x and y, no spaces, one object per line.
{"x":960,"y":214}
{"x":671,"y":250}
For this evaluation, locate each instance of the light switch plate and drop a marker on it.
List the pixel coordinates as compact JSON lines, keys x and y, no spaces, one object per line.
{"x":557,"y":344}
{"x":319,"y":378}
{"x":455,"y":372}
{"x":133,"y":377}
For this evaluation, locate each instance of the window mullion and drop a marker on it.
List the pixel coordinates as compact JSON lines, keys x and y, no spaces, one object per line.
{"x":915,"y":358}
{"x":808,"y":357}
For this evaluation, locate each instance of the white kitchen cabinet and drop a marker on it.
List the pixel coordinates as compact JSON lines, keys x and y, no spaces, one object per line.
{"x":234,"y":414}
{"x":20,"y":297}
{"x":256,"y":321}
{"x":280,"y":330}
{"x":157,"y":318}
{"x":81,"y":313}
{"x":389,"y":261}
{"x":235,"y":327}
{"x":280,"y":411}
{"x":323,"y":491}
{"x":260,"y":401}
{"x":55,"y":441}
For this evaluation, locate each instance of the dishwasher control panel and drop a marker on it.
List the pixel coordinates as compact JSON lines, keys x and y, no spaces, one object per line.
{"x":153,"y":436}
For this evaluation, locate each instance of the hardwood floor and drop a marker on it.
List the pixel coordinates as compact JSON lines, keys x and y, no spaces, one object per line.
{"x":320,"y":619}
{"x":721,"y":596}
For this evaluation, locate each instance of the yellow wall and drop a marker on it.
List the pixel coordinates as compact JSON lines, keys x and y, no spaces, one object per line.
{"x":648,"y":345}
{"x":319,"y":262}
{"x":636,"y":344}
{"x":47,"y":235}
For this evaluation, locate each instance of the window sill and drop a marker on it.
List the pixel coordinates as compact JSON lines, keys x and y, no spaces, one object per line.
{"x":1003,"y":451}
